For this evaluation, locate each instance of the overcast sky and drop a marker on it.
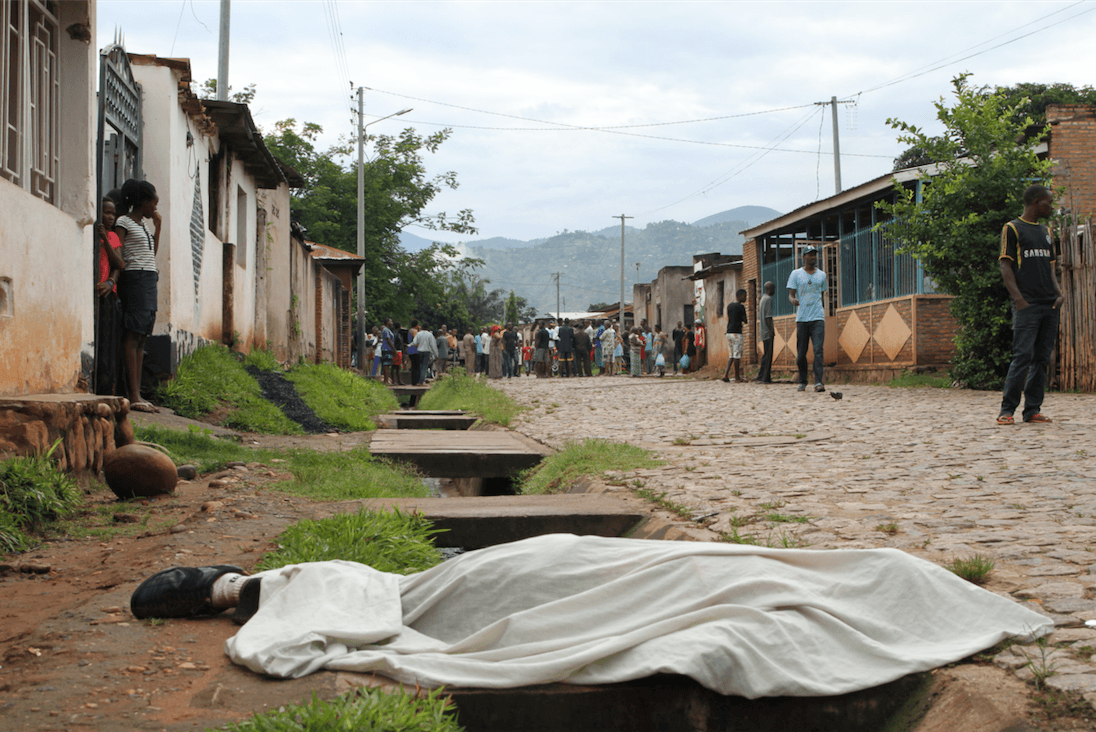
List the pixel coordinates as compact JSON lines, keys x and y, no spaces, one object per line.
{"x":515,"y":79}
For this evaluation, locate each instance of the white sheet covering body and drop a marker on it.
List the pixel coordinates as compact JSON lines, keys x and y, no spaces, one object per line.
{"x":741,"y":620}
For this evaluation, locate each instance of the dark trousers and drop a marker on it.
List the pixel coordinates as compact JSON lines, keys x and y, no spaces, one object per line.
{"x":509,"y":365}
{"x":814,"y":333}
{"x":1034,"y":335}
{"x":582,"y":359}
{"x":765,"y":373}
{"x":481,"y":363}
{"x":416,"y":369}
{"x":566,"y":363}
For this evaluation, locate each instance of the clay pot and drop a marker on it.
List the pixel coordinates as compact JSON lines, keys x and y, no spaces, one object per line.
{"x":137,"y":470}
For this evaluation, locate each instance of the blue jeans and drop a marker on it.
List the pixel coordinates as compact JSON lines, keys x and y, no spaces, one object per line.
{"x":509,"y":369}
{"x":1034,"y":335}
{"x":814,"y":332}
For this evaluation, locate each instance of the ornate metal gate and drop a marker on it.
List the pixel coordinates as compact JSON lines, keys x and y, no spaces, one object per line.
{"x":118,"y":157}
{"x":119,"y":120}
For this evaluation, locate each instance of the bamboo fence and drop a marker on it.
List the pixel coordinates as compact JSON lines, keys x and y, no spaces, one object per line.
{"x":1077,"y":324}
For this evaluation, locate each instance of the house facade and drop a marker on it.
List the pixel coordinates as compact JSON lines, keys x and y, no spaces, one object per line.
{"x":883,"y":315}
{"x":47,"y":196}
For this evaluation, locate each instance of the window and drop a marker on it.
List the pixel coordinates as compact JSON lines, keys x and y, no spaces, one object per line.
{"x":29,"y":90}
{"x":241,"y":227}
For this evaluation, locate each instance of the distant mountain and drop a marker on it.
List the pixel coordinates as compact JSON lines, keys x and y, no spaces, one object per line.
{"x":412,"y":243}
{"x":751,"y":215}
{"x":589,"y":263}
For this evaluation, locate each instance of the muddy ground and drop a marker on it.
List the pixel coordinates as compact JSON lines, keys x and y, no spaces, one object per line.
{"x":73,"y":658}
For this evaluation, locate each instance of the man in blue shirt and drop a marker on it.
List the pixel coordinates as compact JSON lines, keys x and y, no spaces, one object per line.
{"x":805,"y":288}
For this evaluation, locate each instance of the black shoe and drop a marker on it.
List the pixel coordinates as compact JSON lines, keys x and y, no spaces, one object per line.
{"x":179,"y":592}
{"x":248,"y":603}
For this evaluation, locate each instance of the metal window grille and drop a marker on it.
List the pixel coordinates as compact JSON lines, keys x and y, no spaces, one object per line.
{"x":872,"y":269}
{"x":29,"y":93}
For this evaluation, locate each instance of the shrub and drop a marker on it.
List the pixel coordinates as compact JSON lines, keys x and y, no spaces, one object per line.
{"x":33,"y":493}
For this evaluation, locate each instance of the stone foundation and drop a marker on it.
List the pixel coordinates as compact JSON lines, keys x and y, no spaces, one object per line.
{"x":88,"y":426}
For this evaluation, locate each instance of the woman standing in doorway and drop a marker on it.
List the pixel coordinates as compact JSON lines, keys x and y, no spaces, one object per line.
{"x":137,"y":288}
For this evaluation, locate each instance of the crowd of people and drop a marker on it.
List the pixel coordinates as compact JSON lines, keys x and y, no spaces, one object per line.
{"x":548,"y":348}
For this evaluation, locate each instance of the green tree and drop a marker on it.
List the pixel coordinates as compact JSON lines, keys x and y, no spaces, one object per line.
{"x":512,"y":313}
{"x":208,"y":90}
{"x":398,"y":191}
{"x":985,"y":163}
{"x":1027,"y":100}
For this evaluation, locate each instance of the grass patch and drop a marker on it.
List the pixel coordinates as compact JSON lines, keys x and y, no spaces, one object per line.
{"x":589,"y":457}
{"x":198,"y":447}
{"x":458,"y":391}
{"x":341,"y":398}
{"x":339,"y":476}
{"x":889,"y":529}
{"x":105,"y":518}
{"x":660,"y":498}
{"x":975,"y":568}
{"x":388,"y":541}
{"x":783,"y":518}
{"x":262,"y":360}
{"x":361,"y":709}
{"x":34,"y":494}
{"x":212,"y":377}
{"x":909,"y":379}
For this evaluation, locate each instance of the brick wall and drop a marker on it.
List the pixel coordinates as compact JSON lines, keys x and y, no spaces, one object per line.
{"x":930,"y":341}
{"x":1073,"y":147}
{"x":751,"y":276}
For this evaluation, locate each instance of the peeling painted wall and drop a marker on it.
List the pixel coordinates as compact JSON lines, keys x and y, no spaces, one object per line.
{"x":46,"y":251}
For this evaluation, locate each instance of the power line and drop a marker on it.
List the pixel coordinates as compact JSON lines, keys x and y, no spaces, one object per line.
{"x":578,"y":127}
{"x":948,"y":60}
{"x":742,"y":166}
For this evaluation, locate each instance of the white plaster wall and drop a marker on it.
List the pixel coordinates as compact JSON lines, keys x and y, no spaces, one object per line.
{"x":279,"y":290}
{"x":244,"y":290}
{"x":169,"y":164}
{"x":47,"y":256}
{"x":46,"y":252}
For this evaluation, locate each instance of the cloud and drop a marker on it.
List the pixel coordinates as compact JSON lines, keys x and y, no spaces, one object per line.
{"x":619,"y":63}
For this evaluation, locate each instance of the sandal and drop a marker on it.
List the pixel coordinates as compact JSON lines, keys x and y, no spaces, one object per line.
{"x":1039,"y":419}
{"x":1006,"y":419}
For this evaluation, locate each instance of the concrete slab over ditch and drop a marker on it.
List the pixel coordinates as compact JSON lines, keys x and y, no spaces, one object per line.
{"x":459,"y":454}
{"x":474,"y":523}
{"x":426,"y":420}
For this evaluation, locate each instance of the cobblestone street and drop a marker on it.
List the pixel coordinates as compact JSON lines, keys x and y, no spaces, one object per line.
{"x":923,"y":470}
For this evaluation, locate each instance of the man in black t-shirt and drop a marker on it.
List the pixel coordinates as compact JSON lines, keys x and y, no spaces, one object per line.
{"x":1027,"y":267}
{"x":736,"y":318}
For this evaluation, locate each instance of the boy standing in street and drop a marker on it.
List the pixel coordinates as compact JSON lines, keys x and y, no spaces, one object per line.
{"x":1027,"y":267}
{"x":736,"y":318}
{"x":805,"y":288}
{"x":766,"y":334}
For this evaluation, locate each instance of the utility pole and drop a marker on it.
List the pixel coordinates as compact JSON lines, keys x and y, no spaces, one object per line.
{"x":622,"y":217}
{"x":222,"y":52}
{"x":836,"y":141}
{"x":361,"y":226}
{"x":556,"y":275}
{"x":361,"y":210}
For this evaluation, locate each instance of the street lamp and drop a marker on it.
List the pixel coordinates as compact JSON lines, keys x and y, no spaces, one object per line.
{"x":361,"y":215}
